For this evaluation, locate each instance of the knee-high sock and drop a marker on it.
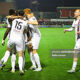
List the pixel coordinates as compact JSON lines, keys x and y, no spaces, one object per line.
{"x":13,"y":60}
{"x":36,"y":56}
{"x":32,"y":59}
{"x":6,"y":56}
{"x":74,"y":65}
{"x":20,"y":63}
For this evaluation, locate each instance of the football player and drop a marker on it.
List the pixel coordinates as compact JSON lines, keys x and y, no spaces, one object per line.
{"x":76,"y":26}
{"x":17,"y":38}
{"x":35,"y":40}
{"x":6,"y":56}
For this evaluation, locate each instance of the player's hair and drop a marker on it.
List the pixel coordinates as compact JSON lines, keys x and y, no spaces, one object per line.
{"x":77,"y":10}
{"x":21,"y":13}
{"x":27,"y":10}
{"x":11,"y":12}
{"x":17,"y":12}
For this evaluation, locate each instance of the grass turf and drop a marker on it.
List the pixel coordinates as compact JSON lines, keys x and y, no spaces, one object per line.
{"x":53,"y":69}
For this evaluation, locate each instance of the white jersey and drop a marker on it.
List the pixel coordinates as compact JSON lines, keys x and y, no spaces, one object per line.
{"x":76,"y":25}
{"x":34,"y":27}
{"x":8,"y":25}
{"x":17,"y":29}
{"x":36,"y":35}
{"x":17,"y":35}
{"x":7,"y":21}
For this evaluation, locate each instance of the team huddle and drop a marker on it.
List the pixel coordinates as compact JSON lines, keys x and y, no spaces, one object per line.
{"x":22,"y":32}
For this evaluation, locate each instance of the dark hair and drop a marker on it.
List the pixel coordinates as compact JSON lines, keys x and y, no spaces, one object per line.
{"x":21,"y":13}
{"x":16,"y":12}
{"x":11,"y":12}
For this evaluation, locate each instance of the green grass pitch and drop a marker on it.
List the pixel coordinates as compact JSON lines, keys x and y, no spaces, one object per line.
{"x":53,"y":68}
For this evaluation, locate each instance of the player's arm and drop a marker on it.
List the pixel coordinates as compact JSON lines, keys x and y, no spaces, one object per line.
{"x":12,"y":17}
{"x":70,"y":29}
{"x":25,"y":31}
{"x":5,"y":35}
{"x":32,"y":22}
{"x":28,"y":36}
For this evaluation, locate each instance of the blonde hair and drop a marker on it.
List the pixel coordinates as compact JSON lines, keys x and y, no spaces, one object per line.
{"x":77,"y":10}
{"x":27,"y":10}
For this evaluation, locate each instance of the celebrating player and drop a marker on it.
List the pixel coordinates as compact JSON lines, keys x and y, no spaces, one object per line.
{"x":76,"y":25}
{"x":7,"y":54}
{"x":36,"y":36}
{"x":19,"y":27}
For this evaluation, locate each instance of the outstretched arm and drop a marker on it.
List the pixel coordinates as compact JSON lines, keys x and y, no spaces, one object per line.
{"x":70,"y":29}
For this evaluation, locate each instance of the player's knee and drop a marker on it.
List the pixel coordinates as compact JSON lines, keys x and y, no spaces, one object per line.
{"x":20,"y":53}
{"x":30,"y":45}
{"x":34,"y":52}
{"x":75,"y":59}
{"x":8,"y":49}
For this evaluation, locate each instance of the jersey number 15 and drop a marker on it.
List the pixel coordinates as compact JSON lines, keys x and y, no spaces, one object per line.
{"x":18,"y":25}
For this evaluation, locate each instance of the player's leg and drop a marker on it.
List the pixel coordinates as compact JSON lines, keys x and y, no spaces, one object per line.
{"x":20,"y":61}
{"x":37,"y":60}
{"x":35,"y":44}
{"x":31,"y":57}
{"x":7,"y":53}
{"x":75,"y":59}
{"x":13,"y":60}
{"x":20,"y":49}
{"x":24,"y":60}
{"x":24,"y":49}
{"x":5,"y":58}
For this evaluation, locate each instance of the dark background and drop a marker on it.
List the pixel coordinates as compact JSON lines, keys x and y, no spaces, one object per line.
{"x":46,"y":5}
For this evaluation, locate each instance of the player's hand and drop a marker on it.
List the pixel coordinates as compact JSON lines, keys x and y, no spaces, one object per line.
{"x":65,"y":30}
{"x":3,"y":42}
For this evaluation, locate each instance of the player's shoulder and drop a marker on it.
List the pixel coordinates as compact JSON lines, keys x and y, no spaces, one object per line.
{"x":20,"y":20}
{"x":76,"y":20}
{"x":33,"y":18}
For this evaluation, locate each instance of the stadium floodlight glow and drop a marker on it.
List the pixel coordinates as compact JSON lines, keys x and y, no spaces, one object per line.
{"x":35,"y":2}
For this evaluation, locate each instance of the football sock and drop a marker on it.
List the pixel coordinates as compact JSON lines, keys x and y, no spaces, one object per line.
{"x":36,"y":56}
{"x":32,"y":59}
{"x":20,"y":63}
{"x":13,"y":60}
{"x":6,"y":56}
{"x":74,"y":65}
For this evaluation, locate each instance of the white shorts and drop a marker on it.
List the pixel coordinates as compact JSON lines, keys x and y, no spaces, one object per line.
{"x":35,"y":41}
{"x":19,"y":45}
{"x":77,"y":46}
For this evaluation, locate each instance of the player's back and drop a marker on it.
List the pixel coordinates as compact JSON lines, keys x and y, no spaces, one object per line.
{"x":17,"y":29}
